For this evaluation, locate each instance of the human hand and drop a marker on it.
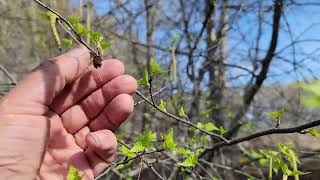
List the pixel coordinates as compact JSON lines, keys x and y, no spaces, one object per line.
{"x":62,"y":114}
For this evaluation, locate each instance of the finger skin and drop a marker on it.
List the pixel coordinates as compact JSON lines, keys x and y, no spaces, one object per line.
{"x":87,"y":83}
{"x":36,"y":91}
{"x":24,"y":128}
{"x":103,"y":143}
{"x":114,"y":114}
{"x":79,"y":115}
{"x":80,"y":137}
{"x":96,"y":163}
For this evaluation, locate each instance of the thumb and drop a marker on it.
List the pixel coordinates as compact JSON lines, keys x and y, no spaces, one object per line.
{"x":38,"y":88}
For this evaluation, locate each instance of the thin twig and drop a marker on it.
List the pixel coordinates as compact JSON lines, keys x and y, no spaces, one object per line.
{"x":140,"y":168}
{"x":226,"y":167}
{"x":217,"y":136}
{"x":160,"y":90}
{"x":6,"y":72}
{"x":149,"y":165}
{"x":297,"y":129}
{"x":69,"y":25}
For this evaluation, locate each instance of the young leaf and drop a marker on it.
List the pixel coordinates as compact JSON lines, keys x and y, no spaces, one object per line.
{"x":73,"y":20}
{"x":96,"y":37}
{"x":169,"y":142}
{"x":297,"y":173}
{"x":155,"y":68}
{"x":184,"y":152}
{"x":181,"y":112}
{"x":222,"y":131}
{"x":314,"y":132}
{"x":127,"y":152}
{"x":210,"y":127}
{"x":68,"y":43}
{"x":137,"y":147}
{"x":276,"y":115}
{"x":73,"y":174}
{"x":147,"y":138}
{"x":190,"y":161}
{"x":81,"y":30}
{"x":163,"y":105}
{"x":144,"y":81}
{"x":105,"y":45}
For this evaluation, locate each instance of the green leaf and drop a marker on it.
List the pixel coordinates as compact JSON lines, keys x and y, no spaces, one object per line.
{"x":169,"y":142}
{"x":276,"y":115}
{"x":147,"y":138}
{"x":181,"y":112}
{"x":222,"y":131}
{"x":137,"y":147}
{"x":126,"y":151}
{"x":263,"y":162}
{"x":73,"y":20}
{"x":123,"y":166}
{"x":254,"y":154}
{"x":81,"y":30}
{"x":73,"y":173}
{"x":285,"y":169}
{"x":68,"y":43}
{"x":269,"y":153}
{"x":144,"y":81}
{"x":163,"y":105}
{"x":314,"y":132}
{"x":190,"y":161}
{"x":155,"y":68}
{"x":210,"y":127}
{"x":297,"y":172}
{"x":183,"y":152}
{"x":105,"y":45}
{"x":96,"y":37}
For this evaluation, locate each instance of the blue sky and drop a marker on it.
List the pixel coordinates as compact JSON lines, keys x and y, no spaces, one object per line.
{"x":304,"y":23}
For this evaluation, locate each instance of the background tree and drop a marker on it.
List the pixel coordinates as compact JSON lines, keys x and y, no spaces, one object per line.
{"x":227,"y":64}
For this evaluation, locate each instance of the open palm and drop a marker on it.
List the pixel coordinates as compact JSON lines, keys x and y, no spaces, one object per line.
{"x":63,"y":114}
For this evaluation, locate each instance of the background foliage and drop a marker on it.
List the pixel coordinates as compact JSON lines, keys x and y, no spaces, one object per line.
{"x":225,"y":68}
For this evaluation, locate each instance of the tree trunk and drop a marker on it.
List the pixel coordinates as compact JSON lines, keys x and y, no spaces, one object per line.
{"x":217,"y":54}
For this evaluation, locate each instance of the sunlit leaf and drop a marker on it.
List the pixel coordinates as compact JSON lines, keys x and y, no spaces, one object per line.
{"x":169,"y":142}
{"x":155,"y":68}
{"x":73,"y":174}
{"x":190,"y":161}
{"x":181,"y":112}
{"x":68,"y":42}
{"x":314,"y":132}
{"x":126,"y":151}
{"x":137,"y":147}
{"x":144,"y":81}
{"x":147,"y":138}
{"x":96,"y":37}
{"x":163,"y":105}
{"x":276,"y":115}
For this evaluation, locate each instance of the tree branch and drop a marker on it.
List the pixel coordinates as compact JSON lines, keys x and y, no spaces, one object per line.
{"x":252,"y":90}
{"x":297,"y":129}
{"x":216,"y":136}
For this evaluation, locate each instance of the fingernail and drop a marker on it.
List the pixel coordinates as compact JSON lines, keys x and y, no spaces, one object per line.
{"x":94,"y":138}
